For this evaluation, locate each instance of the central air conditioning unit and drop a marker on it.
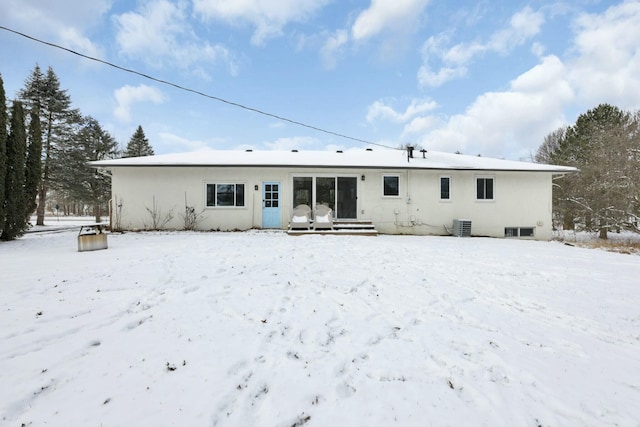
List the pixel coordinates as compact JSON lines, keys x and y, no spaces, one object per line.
{"x":462,"y":227}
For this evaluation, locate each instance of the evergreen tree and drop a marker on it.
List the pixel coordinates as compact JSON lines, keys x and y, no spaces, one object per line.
{"x":138,"y":145}
{"x":82,"y":182}
{"x":603,"y":145}
{"x":42,"y":93}
{"x":33,"y":169}
{"x":15,"y":223}
{"x":3,"y":152}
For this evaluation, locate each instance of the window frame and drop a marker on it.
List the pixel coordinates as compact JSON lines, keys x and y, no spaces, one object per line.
{"x":516,"y":232}
{"x":485,"y":178}
{"x":234,"y":195}
{"x":532,"y":235}
{"x":391,"y":196}
{"x":510,"y":232}
{"x":448,"y":177}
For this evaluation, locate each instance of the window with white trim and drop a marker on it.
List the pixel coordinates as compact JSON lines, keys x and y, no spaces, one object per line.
{"x":391,"y":185}
{"x":484,"y":188}
{"x":225,"y":195}
{"x":445,"y":188}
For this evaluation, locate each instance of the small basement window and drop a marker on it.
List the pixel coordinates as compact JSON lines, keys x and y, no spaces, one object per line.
{"x":391,"y":185}
{"x":526,"y":232}
{"x":518,"y":232}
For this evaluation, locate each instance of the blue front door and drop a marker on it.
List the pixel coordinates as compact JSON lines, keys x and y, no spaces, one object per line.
{"x":271,"y":205}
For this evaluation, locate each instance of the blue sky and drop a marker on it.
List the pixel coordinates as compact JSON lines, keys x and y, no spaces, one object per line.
{"x":480,"y":77}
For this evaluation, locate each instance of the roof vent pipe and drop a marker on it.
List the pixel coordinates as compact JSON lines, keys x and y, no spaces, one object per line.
{"x":424,"y":152}
{"x":410,"y":152}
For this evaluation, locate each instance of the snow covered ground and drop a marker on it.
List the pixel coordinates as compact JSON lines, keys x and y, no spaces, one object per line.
{"x":260,"y":328}
{"x":62,"y":222}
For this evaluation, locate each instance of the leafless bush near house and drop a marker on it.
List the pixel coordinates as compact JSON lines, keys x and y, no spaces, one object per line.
{"x":117,"y":214}
{"x":192,"y":218}
{"x":158,"y":219}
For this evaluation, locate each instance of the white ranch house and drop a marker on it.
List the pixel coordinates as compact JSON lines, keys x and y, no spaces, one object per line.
{"x":422,"y":194}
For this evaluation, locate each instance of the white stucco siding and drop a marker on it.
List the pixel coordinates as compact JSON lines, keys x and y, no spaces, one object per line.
{"x":136,"y":187}
{"x":520,"y":199}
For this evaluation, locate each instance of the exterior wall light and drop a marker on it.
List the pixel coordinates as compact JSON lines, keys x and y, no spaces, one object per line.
{"x":362,"y":177}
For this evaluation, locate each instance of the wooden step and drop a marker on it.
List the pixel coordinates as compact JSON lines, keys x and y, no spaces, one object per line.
{"x":354,"y":226}
{"x":338,"y":232}
{"x":342,"y":227}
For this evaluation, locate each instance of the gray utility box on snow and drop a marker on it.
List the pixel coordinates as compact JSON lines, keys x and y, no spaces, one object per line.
{"x":91,"y":238}
{"x":462,"y":227}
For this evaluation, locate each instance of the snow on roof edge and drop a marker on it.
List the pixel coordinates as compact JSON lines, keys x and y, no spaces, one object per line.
{"x":354,"y":158}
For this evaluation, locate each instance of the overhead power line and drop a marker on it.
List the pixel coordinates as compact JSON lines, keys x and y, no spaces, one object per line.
{"x":197,"y":92}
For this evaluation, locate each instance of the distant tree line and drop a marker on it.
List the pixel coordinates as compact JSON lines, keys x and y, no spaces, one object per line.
{"x":604,"y":144}
{"x":45,"y":146}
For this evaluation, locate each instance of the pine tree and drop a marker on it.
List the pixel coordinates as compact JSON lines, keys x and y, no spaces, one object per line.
{"x":138,"y":145}
{"x":82,"y":182}
{"x":33,"y":169}
{"x":57,"y":118}
{"x":3,"y":152}
{"x":15,"y":223}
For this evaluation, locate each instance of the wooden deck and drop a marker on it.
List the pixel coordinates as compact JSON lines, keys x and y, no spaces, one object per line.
{"x":342,"y":228}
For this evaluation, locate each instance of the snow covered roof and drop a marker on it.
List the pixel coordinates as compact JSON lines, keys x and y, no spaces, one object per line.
{"x":353,"y":158}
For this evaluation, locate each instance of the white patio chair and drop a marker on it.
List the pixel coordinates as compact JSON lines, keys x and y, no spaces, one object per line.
{"x":301,"y":218}
{"x":323,"y":218}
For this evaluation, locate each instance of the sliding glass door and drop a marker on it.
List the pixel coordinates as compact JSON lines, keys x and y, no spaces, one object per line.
{"x":347,"y":202}
{"x":338,"y":193}
{"x":326,"y":192}
{"x":303,"y":191}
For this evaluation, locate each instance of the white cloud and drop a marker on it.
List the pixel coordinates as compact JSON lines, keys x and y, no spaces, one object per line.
{"x":469,"y":17}
{"x":603,"y":65}
{"x":434,"y":47}
{"x":171,"y":140}
{"x":462,"y":53}
{"x":267,"y":16}
{"x":522,"y":26}
{"x":380,"y":110}
{"x":428,"y":77}
{"x":511,"y":123}
{"x":290,"y":143}
{"x":49,"y":20}
{"x":127,"y":95}
{"x":333,"y":47}
{"x":419,"y":125}
{"x":333,"y":147}
{"x":36,"y":16}
{"x":538,"y":49}
{"x":605,"y":62}
{"x":454,"y":60}
{"x":153,"y":29}
{"x":73,"y":39}
{"x":382,"y":15}
{"x":159,"y":32}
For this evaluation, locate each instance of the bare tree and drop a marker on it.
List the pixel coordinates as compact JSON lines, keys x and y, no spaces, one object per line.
{"x":604,"y":145}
